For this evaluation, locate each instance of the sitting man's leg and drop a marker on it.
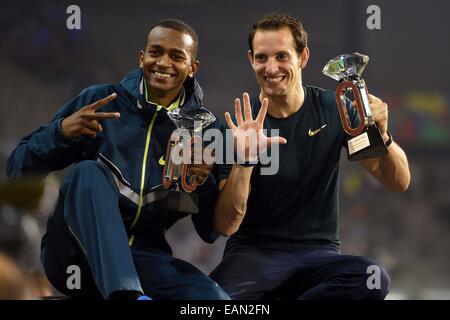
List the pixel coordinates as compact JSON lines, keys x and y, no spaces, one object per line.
{"x":165,"y":277}
{"x":87,"y":220}
{"x":306,"y":272}
{"x":336,"y":276}
{"x":249,"y":273}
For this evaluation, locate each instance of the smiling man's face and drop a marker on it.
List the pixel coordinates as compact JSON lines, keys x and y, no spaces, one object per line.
{"x":167,"y":61}
{"x":275,"y":61}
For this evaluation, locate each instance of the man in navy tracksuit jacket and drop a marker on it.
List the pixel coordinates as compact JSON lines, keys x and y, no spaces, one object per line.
{"x":106,"y":221}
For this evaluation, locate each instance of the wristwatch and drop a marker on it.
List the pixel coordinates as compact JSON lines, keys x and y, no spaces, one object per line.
{"x":245,"y":163}
{"x":389,"y":142}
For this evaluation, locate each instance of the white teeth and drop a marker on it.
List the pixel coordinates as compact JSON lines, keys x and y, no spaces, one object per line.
{"x":275,"y":79}
{"x":162,"y":75}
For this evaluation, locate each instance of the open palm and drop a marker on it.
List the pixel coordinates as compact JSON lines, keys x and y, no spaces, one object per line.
{"x":249,"y":138}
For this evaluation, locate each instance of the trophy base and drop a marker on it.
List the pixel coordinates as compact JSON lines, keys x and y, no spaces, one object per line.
{"x":366,"y":145}
{"x":179,"y":201}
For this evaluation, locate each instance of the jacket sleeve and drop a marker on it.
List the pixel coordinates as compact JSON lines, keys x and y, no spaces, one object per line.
{"x":46,"y":149}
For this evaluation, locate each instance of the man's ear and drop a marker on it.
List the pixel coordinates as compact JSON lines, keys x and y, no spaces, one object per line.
{"x":141,"y":58}
{"x":250,"y":57}
{"x":304,"y":57}
{"x":193,"y":68}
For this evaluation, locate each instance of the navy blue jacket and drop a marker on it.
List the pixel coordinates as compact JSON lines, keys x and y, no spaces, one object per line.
{"x":121,"y":146}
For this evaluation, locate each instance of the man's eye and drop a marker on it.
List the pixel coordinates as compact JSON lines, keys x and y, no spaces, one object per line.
{"x":153,"y":53}
{"x":259,"y":58}
{"x":282,"y":56}
{"x":178,"y":58}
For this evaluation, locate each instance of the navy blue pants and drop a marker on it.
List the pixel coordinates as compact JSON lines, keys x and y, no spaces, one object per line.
{"x":288,"y":271}
{"x":87,"y":230}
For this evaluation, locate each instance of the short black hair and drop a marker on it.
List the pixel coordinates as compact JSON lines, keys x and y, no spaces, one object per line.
{"x":182,"y":27}
{"x":277,"y":21}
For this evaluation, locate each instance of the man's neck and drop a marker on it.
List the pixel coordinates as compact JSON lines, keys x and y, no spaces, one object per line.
{"x":286,"y":105}
{"x":164,"y":99}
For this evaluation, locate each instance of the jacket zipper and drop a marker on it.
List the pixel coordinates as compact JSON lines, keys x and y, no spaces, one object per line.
{"x":144,"y":164}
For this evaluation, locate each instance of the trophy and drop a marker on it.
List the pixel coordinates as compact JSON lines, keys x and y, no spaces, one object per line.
{"x":367,"y":141}
{"x":190,"y":122}
{"x":177,"y":184}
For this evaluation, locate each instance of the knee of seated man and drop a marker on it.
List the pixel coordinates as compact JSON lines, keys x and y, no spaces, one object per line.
{"x":87,"y":167}
{"x":91,"y":170}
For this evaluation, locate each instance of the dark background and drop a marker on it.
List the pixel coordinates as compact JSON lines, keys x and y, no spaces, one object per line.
{"x":43,"y":65}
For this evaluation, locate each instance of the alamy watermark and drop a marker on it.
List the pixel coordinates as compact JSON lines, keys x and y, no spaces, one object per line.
{"x":250,"y":148}
{"x":73,"y":21}
{"x":374,"y":280}
{"x":373,"y":22}
{"x":73,"y":281}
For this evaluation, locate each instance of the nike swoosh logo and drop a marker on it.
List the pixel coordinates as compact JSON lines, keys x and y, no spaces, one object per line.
{"x":313,"y":133}
{"x":161,"y":161}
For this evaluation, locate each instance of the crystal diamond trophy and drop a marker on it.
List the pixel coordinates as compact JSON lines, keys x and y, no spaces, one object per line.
{"x":175,"y":175}
{"x":366,"y":141}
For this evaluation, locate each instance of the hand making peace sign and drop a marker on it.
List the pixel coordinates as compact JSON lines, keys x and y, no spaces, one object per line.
{"x":85,"y":120}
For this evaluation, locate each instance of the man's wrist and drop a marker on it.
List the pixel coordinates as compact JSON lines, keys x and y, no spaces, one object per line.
{"x":244,"y":166}
{"x":59,"y":132}
{"x":246,"y":163}
{"x":387,"y":138}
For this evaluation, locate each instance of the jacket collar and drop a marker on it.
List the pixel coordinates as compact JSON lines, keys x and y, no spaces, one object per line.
{"x":132,"y":84}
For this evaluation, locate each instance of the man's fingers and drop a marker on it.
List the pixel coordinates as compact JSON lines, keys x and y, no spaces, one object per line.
{"x":200,"y":174}
{"x":230,"y":123}
{"x":380,"y":113}
{"x":263,"y":111}
{"x":238,"y":112}
{"x":373,"y":99}
{"x":276,"y":140}
{"x":91,"y":125}
{"x":88,"y":132}
{"x":96,"y":105}
{"x":379,"y":107}
{"x":247,"y":107}
{"x":102,"y":115}
{"x":104,"y":101}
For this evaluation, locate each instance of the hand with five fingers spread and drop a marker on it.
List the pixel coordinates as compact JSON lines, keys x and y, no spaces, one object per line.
{"x":86,"y":120}
{"x":249,"y":133}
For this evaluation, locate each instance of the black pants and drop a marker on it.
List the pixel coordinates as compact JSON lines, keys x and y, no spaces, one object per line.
{"x":287,"y":271}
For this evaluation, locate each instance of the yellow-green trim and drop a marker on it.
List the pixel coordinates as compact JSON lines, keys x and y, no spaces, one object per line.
{"x":174,"y":105}
{"x":130,"y":242}
{"x":144,"y":163}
